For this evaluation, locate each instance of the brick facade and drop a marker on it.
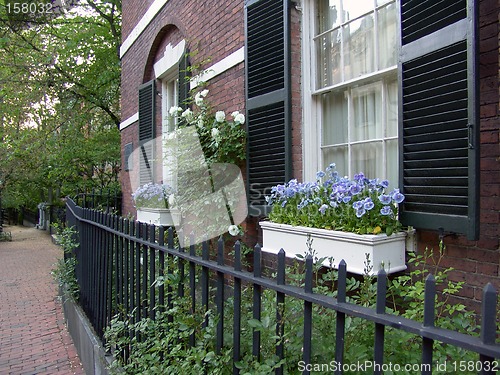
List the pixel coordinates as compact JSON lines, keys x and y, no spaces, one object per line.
{"x":476,"y":263}
{"x":212,"y":30}
{"x":215,"y":29}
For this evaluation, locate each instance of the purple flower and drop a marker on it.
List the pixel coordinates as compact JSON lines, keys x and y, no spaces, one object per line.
{"x":355,"y":189}
{"x":384,"y":184}
{"x":357,"y":205}
{"x":330,"y":197}
{"x":289,"y":192}
{"x":397,"y":196}
{"x":368,"y":204}
{"x":323,"y":208}
{"x":346,"y":198}
{"x":153,"y":195}
{"x":384,"y":198}
{"x":331,"y":166}
{"x":359,"y":177}
{"x":360,"y":212}
{"x":386,"y":210}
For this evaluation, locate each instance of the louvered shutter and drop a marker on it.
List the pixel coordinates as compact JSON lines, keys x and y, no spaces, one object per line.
{"x":147,"y":95}
{"x":267,"y":73}
{"x":183,"y":92}
{"x":439,"y":115}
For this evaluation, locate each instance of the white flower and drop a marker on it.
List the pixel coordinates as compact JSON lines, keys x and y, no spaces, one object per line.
{"x":174,"y":110}
{"x":198,"y":99}
{"x":215,"y":132}
{"x":239,"y":118}
{"x":233,"y":230}
{"x":171,"y":200}
{"x":235,"y":113}
{"x":204,"y":93}
{"x":187,"y":114}
{"x":200,"y":122}
{"x":220,"y":116}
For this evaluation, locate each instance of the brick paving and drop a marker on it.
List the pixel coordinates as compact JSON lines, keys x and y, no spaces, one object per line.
{"x":33,"y":335}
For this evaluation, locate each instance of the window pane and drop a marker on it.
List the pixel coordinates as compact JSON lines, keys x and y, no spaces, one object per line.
{"x":337,"y":155}
{"x":334,"y":119}
{"x":392,"y":109}
{"x":368,"y":158}
{"x":387,"y":29}
{"x":328,"y":57}
{"x":359,"y":118}
{"x":328,"y":15}
{"x":354,"y":9}
{"x":367,"y":113}
{"x":359,"y":47}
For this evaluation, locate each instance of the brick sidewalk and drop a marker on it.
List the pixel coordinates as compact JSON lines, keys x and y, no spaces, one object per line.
{"x":33,"y":336}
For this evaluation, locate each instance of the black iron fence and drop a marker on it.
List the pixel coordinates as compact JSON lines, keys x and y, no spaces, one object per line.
{"x":107,"y":200}
{"x":118,"y":262}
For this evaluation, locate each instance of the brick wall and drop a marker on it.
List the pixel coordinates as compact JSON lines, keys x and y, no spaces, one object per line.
{"x":215,"y":29}
{"x":476,"y":263}
{"x":212,"y":30}
{"x":132,"y":11}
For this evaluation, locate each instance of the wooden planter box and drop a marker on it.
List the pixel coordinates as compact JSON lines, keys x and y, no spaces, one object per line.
{"x":382,"y":251}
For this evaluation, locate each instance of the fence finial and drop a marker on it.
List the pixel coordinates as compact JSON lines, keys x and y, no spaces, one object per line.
{"x":381,"y":291}
{"x":488,"y":311}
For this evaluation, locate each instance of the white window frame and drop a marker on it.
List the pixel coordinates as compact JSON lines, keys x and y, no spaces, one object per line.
{"x":311,"y":101}
{"x":167,"y":71}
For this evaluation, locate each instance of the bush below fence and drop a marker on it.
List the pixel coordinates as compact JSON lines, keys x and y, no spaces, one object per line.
{"x":172,"y":306}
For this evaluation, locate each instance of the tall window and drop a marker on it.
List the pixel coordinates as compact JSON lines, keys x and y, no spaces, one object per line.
{"x":167,"y":70}
{"x":355,"y":51}
{"x":169,"y":99}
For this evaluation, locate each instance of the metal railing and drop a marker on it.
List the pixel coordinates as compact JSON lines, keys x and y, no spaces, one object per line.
{"x":119,"y":260}
{"x":107,"y":200}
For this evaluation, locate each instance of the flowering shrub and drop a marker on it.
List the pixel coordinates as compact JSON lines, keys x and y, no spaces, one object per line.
{"x":153,"y":195}
{"x":222,"y":140}
{"x":360,"y":205}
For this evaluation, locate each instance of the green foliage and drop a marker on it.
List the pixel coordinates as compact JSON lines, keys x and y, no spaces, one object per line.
{"x":59,"y":99}
{"x":64,"y":273}
{"x":163,"y":345}
{"x":5,"y":236}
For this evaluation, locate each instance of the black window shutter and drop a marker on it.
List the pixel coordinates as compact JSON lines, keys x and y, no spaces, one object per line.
{"x":439,"y":124}
{"x":268,"y":105}
{"x":184,"y":74}
{"x":147,"y":96}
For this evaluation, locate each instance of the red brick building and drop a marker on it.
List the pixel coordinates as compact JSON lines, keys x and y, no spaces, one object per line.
{"x":402,"y":90}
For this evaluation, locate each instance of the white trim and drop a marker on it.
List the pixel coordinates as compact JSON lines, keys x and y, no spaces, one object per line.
{"x":142,"y":25}
{"x":165,"y":64}
{"x":223,"y":65}
{"x":311,"y":135}
{"x":170,"y":59}
{"x":129,"y":121}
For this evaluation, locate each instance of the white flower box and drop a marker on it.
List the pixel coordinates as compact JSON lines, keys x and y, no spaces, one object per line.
{"x":384,"y":251}
{"x":159,"y":216}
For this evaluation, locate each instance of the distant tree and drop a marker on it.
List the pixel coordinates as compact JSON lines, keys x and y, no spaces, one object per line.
{"x":59,"y":100}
